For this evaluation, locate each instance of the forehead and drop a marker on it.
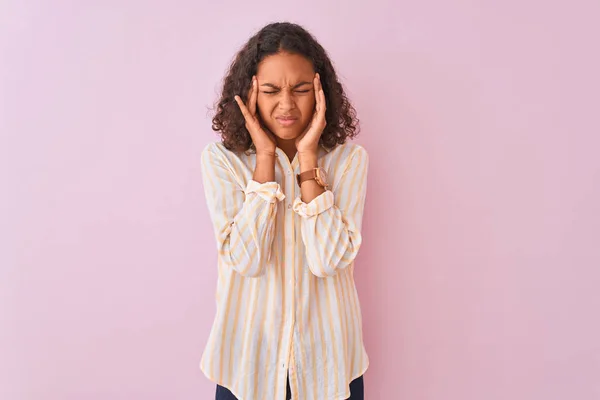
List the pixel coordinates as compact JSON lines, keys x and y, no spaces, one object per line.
{"x":284,"y":68}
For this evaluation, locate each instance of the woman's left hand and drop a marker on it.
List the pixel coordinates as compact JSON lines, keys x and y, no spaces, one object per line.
{"x":308,"y":142}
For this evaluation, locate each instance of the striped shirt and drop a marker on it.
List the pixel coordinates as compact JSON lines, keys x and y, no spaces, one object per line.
{"x":286,"y":299}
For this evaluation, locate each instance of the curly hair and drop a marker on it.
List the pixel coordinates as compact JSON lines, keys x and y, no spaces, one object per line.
{"x":340,"y":116}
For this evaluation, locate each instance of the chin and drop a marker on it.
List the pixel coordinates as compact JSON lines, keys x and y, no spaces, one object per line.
{"x":287,"y":135}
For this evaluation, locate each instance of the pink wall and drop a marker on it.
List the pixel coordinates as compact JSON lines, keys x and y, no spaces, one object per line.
{"x":480,"y":270}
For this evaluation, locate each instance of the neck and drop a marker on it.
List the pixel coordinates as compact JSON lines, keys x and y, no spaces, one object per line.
{"x":288,"y":146}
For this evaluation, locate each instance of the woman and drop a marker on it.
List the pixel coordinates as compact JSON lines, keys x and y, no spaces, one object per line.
{"x":286,"y":194}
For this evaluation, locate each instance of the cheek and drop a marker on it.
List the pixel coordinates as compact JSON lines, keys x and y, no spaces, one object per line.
{"x":264,"y":106}
{"x":307,"y":105}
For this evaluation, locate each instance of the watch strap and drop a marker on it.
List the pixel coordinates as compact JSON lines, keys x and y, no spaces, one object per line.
{"x":306,"y":175}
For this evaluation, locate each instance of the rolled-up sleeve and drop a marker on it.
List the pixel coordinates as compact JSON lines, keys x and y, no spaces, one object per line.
{"x":243,"y":217}
{"x":331,"y":222}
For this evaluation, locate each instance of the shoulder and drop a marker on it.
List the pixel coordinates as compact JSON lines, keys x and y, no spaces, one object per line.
{"x":350,"y":152}
{"x":213,"y":148}
{"x":217,"y":151}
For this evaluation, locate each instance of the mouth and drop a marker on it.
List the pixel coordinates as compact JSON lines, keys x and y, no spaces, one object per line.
{"x":286,"y":121}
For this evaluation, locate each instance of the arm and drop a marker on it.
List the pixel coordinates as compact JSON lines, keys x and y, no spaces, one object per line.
{"x":331,"y":223}
{"x":243,"y":218}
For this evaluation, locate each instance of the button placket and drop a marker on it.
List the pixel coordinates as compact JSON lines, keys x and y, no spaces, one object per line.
{"x":290,"y":188}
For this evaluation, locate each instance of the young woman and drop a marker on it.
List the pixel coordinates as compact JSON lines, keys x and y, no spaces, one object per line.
{"x":286,"y":192}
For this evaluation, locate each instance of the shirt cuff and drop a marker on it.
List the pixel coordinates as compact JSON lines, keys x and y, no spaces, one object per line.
{"x":270,"y":191}
{"x":319,"y":204}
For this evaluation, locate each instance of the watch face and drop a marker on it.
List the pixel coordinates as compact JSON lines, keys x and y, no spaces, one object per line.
{"x":322,"y":175}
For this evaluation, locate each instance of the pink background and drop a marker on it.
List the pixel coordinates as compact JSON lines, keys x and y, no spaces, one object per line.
{"x":480,"y":271}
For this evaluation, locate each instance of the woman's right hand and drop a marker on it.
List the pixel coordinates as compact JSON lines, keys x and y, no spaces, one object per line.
{"x":264,"y":141}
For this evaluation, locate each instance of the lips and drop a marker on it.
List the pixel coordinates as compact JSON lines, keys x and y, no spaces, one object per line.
{"x":286,"y":121}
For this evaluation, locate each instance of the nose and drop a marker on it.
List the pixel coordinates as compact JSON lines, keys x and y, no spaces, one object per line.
{"x":286,"y":101}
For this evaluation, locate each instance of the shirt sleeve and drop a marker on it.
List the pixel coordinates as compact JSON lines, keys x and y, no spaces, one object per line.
{"x":243,"y":217}
{"x":331,"y":222}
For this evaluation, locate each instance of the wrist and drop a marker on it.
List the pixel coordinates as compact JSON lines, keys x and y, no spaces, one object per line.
{"x":265,"y":168}
{"x":265,"y":154}
{"x":265,"y":159}
{"x":308,"y":160}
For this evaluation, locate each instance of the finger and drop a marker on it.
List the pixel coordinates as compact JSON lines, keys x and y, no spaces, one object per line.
{"x":321,"y":95}
{"x":316,"y":86}
{"x":243,"y":108}
{"x":253,"y":96}
{"x":322,"y":103}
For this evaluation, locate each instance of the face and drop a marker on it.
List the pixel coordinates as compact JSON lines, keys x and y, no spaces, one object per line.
{"x":286,"y":98}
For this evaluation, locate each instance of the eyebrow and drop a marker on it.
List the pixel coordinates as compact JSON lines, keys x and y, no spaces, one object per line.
{"x":277,"y":87}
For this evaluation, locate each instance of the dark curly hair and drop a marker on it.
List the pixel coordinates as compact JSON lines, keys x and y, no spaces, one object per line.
{"x":228,"y":120}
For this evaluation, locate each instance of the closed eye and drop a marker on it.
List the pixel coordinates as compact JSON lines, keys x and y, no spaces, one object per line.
{"x":297,"y":91}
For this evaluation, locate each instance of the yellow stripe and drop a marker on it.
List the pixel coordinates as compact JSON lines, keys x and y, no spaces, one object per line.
{"x":333,"y":246}
{"x":251,"y":310}
{"x":276,"y":273}
{"x":239,"y":228}
{"x":313,"y":350}
{"x":234,"y":331}
{"x":270,"y":295}
{"x":355,"y":189}
{"x":323,"y":343}
{"x":350,"y":285}
{"x":226,"y":319}
{"x":358,"y":319}
{"x":304,"y":318}
{"x":294,"y":378}
{"x":331,"y":328}
{"x":341,"y":303}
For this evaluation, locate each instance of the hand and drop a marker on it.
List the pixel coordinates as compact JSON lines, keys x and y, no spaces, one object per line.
{"x":263,"y":140}
{"x":308,"y":142}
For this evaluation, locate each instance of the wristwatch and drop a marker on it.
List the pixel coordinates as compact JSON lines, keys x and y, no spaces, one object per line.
{"x":318,"y":174}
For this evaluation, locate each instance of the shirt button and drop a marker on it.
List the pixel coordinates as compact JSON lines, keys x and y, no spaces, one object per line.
{"x":289,"y":172}
{"x":289,"y":206}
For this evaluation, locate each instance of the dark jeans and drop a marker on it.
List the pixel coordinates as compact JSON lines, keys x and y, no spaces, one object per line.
{"x":357,"y":390}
